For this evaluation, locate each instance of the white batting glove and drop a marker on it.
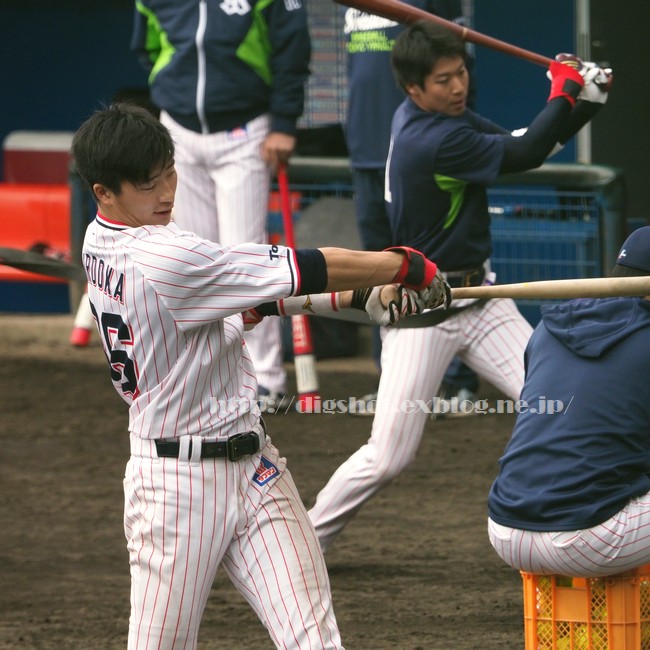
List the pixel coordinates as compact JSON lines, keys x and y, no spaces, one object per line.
{"x":437,"y":294}
{"x":597,"y":83}
{"x":388,"y":304}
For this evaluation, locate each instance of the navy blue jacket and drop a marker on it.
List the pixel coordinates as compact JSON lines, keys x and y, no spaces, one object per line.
{"x":577,"y":467}
{"x":438,"y":171}
{"x":215,"y":65}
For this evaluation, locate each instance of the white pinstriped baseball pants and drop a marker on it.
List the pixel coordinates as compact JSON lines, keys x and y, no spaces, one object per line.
{"x":619,"y":544}
{"x":185,"y":517}
{"x":223,"y":195}
{"x":490,"y":339}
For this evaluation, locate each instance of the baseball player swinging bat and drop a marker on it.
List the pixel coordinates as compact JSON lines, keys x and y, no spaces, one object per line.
{"x":303,"y":348}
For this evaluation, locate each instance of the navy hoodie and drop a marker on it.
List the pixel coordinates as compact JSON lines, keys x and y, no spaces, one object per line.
{"x":577,"y":467}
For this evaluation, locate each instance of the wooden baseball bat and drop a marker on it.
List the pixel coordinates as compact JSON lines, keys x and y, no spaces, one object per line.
{"x":560,"y":289}
{"x":303,"y":347}
{"x":405,"y":13}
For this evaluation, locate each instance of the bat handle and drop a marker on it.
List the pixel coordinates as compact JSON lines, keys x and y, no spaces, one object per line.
{"x":478,"y":38}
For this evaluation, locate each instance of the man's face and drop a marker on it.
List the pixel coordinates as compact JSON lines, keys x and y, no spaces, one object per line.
{"x":147,"y":204}
{"x":445,"y":88}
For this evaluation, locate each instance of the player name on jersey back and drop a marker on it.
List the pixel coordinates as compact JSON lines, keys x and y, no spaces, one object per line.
{"x":104,"y":277}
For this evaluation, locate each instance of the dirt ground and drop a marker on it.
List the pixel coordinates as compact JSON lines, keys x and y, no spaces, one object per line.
{"x":414,"y":570}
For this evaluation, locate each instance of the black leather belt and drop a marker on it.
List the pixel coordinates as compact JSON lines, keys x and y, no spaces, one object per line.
{"x":466,"y":278}
{"x":242,"y":444}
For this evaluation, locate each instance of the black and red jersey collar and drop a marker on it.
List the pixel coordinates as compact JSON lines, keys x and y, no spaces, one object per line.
{"x":110,"y":223}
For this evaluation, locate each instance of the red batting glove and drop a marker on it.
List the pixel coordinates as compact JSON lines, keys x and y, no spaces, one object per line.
{"x":416,"y":271}
{"x":566,"y":80}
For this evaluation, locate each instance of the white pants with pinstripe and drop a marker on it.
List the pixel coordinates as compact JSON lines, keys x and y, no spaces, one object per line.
{"x":185,"y":517}
{"x":223,"y":195}
{"x":619,"y":544}
{"x":490,"y":339}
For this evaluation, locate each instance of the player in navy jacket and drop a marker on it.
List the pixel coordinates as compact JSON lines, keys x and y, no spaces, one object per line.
{"x":573,"y":491}
{"x":442,"y":157}
{"x":373,"y":96}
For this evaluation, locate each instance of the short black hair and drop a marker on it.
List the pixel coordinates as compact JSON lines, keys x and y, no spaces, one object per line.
{"x":123,"y":142}
{"x":418,"y":48}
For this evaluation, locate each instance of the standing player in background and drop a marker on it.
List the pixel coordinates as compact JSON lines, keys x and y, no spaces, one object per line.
{"x":441,"y":159}
{"x":373,"y":96}
{"x":204,"y":485}
{"x":229,"y":80}
{"x":573,"y":491}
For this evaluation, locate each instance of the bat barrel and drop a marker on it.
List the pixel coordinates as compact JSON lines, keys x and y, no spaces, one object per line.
{"x":405,"y":13}
{"x":560,"y":289}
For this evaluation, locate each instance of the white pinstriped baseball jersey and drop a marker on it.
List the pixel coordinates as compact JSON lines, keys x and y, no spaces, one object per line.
{"x":168,"y":305}
{"x":172,"y":311}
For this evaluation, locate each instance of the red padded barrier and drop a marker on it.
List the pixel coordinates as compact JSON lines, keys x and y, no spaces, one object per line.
{"x":32,"y":214}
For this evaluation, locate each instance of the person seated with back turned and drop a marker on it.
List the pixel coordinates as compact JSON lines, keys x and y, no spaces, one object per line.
{"x":572,"y":496}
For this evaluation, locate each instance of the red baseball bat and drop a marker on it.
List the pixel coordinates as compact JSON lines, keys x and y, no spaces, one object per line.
{"x":303,"y":347}
{"x":405,"y":13}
